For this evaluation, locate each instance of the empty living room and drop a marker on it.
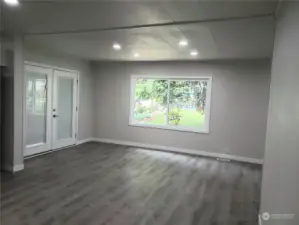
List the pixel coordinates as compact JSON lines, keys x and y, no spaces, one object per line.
{"x":149,"y":112}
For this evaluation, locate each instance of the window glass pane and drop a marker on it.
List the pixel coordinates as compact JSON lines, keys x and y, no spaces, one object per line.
{"x":150,"y":102}
{"x":187,"y":102}
{"x":40,"y":96}
{"x":65,"y":108}
{"x":36,"y":102}
{"x":29,"y":97}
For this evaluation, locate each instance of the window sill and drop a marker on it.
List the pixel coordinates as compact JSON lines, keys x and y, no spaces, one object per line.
{"x":190,"y":130}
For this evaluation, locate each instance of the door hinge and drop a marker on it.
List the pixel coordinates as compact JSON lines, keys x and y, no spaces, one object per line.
{"x":77,"y":81}
{"x":75,"y":135}
{"x":76,"y":108}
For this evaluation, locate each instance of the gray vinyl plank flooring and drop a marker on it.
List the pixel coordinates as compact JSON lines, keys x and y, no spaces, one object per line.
{"x":106,"y":184}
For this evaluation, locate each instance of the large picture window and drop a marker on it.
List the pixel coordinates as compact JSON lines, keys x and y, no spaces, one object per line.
{"x":176,"y":103}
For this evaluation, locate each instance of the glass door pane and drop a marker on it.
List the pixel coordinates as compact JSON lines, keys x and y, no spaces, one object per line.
{"x":65,"y":108}
{"x":36,"y":108}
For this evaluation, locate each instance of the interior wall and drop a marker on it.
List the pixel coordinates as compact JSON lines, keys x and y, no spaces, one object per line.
{"x":86,"y":125}
{"x":7,"y":113}
{"x":280,"y":185}
{"x":240,"y":92}
{"x":18,"y":63}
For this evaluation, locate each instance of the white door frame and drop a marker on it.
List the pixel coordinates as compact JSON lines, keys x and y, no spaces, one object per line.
{"x":52,"y":68}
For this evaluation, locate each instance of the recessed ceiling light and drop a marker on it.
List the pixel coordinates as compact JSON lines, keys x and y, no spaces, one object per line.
{"x":193,"y":53}
{"x":136,"y":55}
{"x":183,"y":43}
{"x":116,"y":46}
{"x":12,"y":2}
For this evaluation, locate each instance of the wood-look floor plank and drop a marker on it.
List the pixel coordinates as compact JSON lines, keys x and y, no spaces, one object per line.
{"x":107,"y":184}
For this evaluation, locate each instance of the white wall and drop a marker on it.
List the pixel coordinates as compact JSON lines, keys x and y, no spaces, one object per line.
{"x":238,"y":110}
{"x":280,"y":185}
{"x":86,"y":125}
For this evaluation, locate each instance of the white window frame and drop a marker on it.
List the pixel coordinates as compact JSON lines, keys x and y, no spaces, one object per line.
{"x":205,"y":129}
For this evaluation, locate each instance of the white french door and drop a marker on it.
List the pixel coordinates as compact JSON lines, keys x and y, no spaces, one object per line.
{"x":64,"y":109}
{"x":38,"y":109}
{"x":51,"y":109}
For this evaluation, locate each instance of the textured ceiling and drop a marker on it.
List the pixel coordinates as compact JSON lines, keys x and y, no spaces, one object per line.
{"x":227,"y":39}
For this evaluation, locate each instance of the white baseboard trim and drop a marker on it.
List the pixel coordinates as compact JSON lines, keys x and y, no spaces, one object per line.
{"x":84,"y":141}
{"x":181,"y":150}
{"x":17,"y":168}
{"x":13,"y":169}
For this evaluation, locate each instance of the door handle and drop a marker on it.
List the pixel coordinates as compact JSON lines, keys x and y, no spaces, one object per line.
{"x":55,"y":116}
